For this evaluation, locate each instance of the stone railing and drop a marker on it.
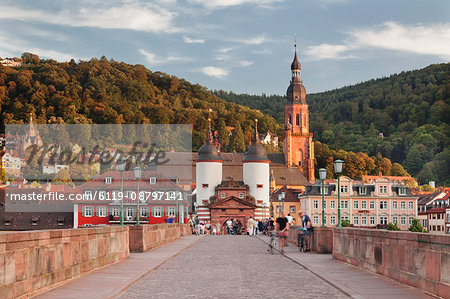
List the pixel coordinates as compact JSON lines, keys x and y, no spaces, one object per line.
{"x":33,"y":261}
{"x":146,"y":237}
{"x":321,"y":238}
{"x":417,"y":259}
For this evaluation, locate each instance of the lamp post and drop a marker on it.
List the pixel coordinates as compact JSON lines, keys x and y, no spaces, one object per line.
{"x":121,"y":168}
{"x":283,"y":194}
{"x":137,"y":175}
{"x":338,"y":170}
{"x":323,"y":176}
{"x":279,"y":205}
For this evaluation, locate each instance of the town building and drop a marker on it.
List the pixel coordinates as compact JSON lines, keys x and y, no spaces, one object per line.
{"x":373,"y":204}
{"x":101,"y":199}
{"x":287,"y":200}
{"x":11,"y":62}
{"x":431,"y":206}
{"x":12,"y":165}
{"x":270,"y":138}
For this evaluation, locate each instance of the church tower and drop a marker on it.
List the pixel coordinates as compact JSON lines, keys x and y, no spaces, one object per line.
{"x":298,"y":147}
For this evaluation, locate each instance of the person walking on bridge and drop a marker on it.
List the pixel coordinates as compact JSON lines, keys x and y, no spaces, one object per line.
{"x":282,"y":225}
{"x":250,"y":226}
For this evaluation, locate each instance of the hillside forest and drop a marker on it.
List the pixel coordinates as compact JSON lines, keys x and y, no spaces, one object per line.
{"x":409,"y":109}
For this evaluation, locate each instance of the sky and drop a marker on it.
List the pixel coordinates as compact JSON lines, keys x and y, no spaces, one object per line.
{"x":244,"y":46}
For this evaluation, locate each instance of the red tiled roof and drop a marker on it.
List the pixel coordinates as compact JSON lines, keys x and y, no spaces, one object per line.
{"x":436,"y":210}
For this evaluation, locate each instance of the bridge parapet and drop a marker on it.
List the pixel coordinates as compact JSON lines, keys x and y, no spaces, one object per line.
{"x":417,"y":259}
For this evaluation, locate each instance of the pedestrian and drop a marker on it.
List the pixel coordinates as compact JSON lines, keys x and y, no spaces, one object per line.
{"x":290,"y":219}
{"x":307,"y":227}
{"x":261,"y":226}
{"x":282,"y":226}
{"x":213,"y":230}
{"x":229,"y":226}
{"x":250,"y":226}
{"x":208,"y":228}
{"x":235,"y":227}
{"x":218,"y":228}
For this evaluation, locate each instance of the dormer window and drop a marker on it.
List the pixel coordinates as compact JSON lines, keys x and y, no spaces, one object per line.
{"x":324,"y":191}
{"x":108,"y":180}
{"x":363,"y":190}
{"x":402,"y":191}
{"x":152,"y":180}
{"x":383,"y":190}
{"x":344,"y":189}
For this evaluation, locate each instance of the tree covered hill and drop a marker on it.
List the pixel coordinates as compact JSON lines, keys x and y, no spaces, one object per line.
{"x":106,"y":91}
{"x":404,"y":117}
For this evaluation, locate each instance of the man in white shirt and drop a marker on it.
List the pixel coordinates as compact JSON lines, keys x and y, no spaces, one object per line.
{"x":289,"y":218}
{"x":229,"y":226}
{"x":250,"y":226}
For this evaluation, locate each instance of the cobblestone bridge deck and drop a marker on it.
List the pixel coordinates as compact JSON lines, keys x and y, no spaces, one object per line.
{"x":230,"y":267}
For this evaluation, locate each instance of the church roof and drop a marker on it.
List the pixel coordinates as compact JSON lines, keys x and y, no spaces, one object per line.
{"x":295,"y":65}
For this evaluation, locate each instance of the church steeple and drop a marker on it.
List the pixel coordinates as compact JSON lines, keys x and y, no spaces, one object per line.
{"x":295,"y":67}
{"x":297,"y":146}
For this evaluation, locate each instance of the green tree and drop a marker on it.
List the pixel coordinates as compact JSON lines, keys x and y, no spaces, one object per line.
{"x":224,"y":133}
{"x":237,"y":142}
{"x":416,"y":226}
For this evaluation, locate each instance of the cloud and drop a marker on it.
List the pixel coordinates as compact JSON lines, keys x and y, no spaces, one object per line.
{"x":12,"y":46}
{"x":154,"y":59}
{"x":193,"y":41}
{"x":138,"y":17}
{"x":430,"y":39}
{"x":245,"y":63}
{"x":257,"y":40}
{"x":218,"y":4}
{"x":327,"y":51}
{"x":216,"y":72}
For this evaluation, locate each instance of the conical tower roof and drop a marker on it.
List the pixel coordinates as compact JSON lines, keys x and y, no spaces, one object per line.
{"x":208,"y":151}
{"x":256,"y":152}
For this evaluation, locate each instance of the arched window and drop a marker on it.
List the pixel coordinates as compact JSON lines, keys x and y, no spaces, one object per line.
{"x":297,"y":119}
{"x":300,"y":157}
{"x":290,"y":120}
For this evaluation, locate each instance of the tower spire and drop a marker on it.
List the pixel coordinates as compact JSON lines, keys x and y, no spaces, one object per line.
{"x":256,"y":137}
{"x":209,"y":134}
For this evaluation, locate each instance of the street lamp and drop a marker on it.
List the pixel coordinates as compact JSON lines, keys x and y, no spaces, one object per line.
{"x":323,"y":176}
{"x":338,"y":170}
{"x":137,"y":175}
{"x":281,"y":200}
{"x":121,"y":167}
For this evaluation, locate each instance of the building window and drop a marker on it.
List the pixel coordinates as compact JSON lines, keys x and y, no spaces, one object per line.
{"x":205,"y":185}
{"x":241,"y":195}
{"x":157,"y":212}
{"x":315,"y":204}
{"x":403,"y":205}
{"x":152,"y":180}
{"x":259,"y":186}
{"x":356,"y":220}
{"x":410,"y":220}
{"x":363,"y":204}
{"x":115,"y":211}
{"x":383,"y":190}
{"x":333,"y":220}
{"x":88,"y":195}
{"x":222,"y":195}
{"x":101,"y":211}
{"x":170,"y":211}
{"x":333,"y":204}
{"x":344,"y":218}
{"x":144,"y":212}
{"x":372,"y":205}
{"x":316,"y":220}
{"x":363,"y":220}
{"x":129,"y":212}
{"x":325,"y":190}
{"x":344,"y":189}
{"x":278,"y":209}
{"x":401,"y":191}
{"x":224,"y":210}
{"x":395,"y":220}
{"x":394,"y":205}
{"x":344,"y":204}
{"x":355,"y":204}
{"x":411,"y":205}
{"x":383,"y":205}
{"x":297,"y":119}
{"x":108,"y":180}
{"x":87,"y":211}
{"x":383,"y":220}
{"x":372,"y":220}
{"x":403,"y":220}
{"x":363,"y":190}
{"x":291,"y":209}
